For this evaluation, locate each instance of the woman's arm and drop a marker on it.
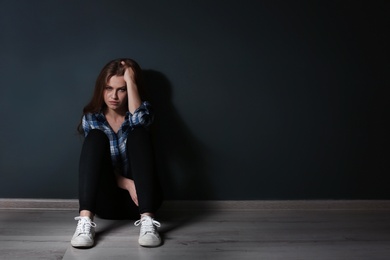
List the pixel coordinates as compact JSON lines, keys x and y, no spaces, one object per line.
{"x":142,"y":116}
{"x":134,"y":99}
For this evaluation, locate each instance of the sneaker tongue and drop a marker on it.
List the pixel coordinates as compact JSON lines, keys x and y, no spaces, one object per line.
{"x":147,"y":221}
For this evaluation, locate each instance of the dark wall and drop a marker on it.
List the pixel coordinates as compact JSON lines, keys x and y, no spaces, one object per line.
{"x":254,"y":99}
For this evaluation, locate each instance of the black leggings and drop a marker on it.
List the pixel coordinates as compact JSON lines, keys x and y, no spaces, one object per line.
{"x":98,"y":189}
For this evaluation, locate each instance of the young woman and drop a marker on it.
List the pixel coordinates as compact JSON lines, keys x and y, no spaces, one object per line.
{"x":116,"y":171}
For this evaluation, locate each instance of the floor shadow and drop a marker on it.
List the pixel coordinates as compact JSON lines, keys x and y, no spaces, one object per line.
{"x":175,"y":219}
{"x":108,"y":226}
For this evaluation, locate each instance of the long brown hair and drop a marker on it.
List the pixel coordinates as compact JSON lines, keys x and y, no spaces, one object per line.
{"x":112,"y":68}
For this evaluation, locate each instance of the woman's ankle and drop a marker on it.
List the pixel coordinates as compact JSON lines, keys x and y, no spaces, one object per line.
{"x":147,"y":214}
{"x":86,"y":213}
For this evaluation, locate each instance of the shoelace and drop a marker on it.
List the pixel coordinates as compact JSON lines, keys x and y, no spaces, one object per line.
{"x":84,"y":225}
{"x":147,"y":225}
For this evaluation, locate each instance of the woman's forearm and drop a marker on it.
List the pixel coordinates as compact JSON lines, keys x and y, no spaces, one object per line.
{"x":134,"y":99}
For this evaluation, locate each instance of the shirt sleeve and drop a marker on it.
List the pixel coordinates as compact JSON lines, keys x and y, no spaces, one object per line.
{"x":86,"y":126}
{"x":142,"y":116}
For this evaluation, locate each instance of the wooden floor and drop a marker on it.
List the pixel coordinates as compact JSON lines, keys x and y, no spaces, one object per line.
{"x":205,"y":234}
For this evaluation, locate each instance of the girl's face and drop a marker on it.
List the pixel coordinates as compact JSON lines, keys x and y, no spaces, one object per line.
{"x":115,"y":94}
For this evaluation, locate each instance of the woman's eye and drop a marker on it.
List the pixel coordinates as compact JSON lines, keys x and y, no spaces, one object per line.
{"x":108,"y":88}
{"x":122,"y":90}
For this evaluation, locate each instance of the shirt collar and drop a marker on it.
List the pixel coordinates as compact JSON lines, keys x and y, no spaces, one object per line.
{"x":100,"y":116}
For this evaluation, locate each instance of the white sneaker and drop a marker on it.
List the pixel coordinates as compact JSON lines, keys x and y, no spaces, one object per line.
{"x":85,"y":233}
{"x":148,"y":235}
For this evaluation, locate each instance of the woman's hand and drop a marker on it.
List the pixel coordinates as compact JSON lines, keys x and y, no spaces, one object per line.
{"x":127,"y":184}
{"x":129,"y":74}
{"x":134,"y":100}
{"x":133,"y":192}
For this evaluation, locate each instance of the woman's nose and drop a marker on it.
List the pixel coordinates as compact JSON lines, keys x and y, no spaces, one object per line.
{"x":114,"y":95}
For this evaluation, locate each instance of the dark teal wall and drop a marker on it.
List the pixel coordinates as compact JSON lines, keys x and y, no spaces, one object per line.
{"x":254,"y":99}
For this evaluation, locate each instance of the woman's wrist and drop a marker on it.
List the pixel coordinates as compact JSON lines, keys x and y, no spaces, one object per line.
{"x":131,"y":84}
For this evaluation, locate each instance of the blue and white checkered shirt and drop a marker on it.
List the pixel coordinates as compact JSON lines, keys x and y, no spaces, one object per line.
{"x":142,"y":116}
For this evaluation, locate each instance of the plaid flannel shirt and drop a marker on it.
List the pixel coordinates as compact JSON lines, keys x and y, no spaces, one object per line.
{"x":142,"y":116}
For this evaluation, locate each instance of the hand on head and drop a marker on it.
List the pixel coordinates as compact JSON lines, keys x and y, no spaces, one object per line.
{"x":129,"y":72}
